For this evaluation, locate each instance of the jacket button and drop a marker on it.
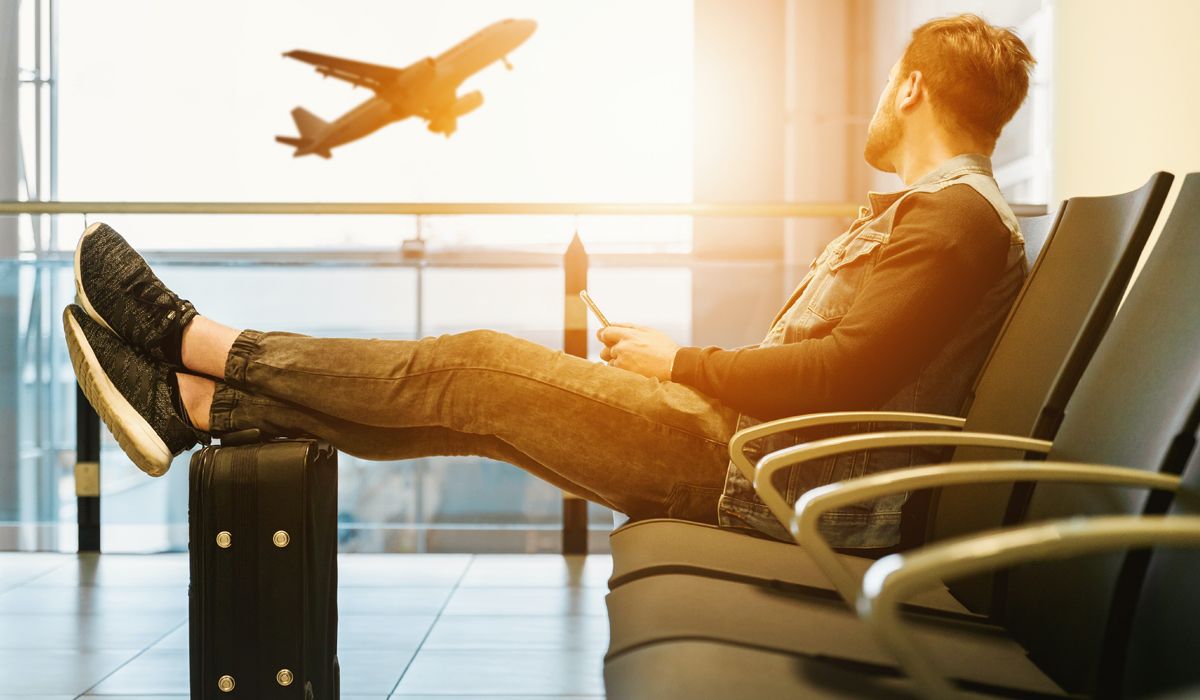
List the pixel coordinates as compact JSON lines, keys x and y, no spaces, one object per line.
{"x":224,"y":539}
{"x":281,"y":538}
{"x":284,"y":677}
{"x":225,"y":684}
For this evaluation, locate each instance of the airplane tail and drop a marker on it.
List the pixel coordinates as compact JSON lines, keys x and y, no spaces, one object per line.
{"x":309,"y":125}
{"x":307,"y":122}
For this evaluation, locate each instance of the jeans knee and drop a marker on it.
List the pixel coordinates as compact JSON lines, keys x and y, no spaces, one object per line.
{"x":488,"y":348}
{"x":481,"y":336}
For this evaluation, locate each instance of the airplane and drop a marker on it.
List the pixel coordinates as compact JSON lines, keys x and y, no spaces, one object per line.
{"x":426,"y":89}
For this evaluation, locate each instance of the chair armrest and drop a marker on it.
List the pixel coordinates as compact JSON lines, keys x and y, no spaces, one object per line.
{"x":788,"y":456}
{"x":895,"y":578}
{"x":813,"y":504}
{"x":737,"y":444}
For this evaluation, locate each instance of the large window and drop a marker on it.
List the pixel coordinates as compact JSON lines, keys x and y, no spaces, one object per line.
{"x":171,"y":101}
{"x":181,"y":102}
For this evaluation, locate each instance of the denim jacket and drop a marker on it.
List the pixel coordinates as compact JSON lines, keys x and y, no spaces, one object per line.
{"x":940,"y":386}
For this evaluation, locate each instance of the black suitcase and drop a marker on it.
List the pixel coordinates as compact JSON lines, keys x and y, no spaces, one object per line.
{"x":263,"y":596}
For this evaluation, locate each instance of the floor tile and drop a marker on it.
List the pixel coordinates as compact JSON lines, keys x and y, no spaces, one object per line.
{"x":382,"y":631}
{"x":527,"y":601}
{"x":372,"y":672}
{"x":177,"y":697}
{"x":520,"y":673}
{"x":120,"y":570}
{"x":166,"y":672}
{"x":494,"y":697}
{"x":81,"y":632}
{"x":115,"y":626}
{"x":518,"y":632}
{"x":17,"y":568}
{"x":529,"y":570}
{"x":401,"y":569}
{"x":91,"y":600}
{"x":32,"y":672}
{"x":155,"y":672}
{"x":177,"y":639}
{"x":388,"y":601}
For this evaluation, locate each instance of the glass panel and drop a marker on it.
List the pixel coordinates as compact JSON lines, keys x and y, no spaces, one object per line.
{"x":598,"y":107}
{"x":162,"y":114}
{"x":434,"y":504}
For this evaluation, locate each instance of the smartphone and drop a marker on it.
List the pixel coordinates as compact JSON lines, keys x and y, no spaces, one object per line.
{"x":592,"y":305}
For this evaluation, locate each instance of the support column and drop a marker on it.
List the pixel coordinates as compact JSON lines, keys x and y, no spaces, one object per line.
{"x":9,"y":246}
{"x":819,"y":80}
{"x":738,"y":156}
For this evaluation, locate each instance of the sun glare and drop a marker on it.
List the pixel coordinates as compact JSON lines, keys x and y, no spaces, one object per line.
{"x":182,"y":102}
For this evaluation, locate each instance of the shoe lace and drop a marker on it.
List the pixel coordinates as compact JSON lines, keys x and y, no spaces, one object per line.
{"x":150,"y":292}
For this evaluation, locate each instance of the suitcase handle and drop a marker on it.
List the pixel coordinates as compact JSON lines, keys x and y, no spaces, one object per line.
{"x":255,"y":436}
{"x":248,"y":436}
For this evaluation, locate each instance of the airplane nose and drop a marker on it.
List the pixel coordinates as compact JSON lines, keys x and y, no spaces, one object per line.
{"x":526,"y":27}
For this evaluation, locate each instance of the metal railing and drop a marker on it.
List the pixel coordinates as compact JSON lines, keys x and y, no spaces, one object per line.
{"x":746,"y":209}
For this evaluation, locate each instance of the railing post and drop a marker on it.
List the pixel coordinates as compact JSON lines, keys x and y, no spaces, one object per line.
{"x":575,"y":342}
{"x":10,"y":288}
{"x":87,"y":473}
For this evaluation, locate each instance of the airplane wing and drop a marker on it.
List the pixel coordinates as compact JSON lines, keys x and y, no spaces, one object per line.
{"x":369,"y":75}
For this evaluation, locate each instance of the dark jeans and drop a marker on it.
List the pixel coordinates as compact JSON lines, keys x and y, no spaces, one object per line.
{"x":640,"y":446}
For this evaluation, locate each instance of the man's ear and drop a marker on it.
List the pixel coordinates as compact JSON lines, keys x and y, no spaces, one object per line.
{"x":911,"y":92}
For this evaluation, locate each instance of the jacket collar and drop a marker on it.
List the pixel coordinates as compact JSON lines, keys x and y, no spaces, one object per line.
{"x":946,"y":170}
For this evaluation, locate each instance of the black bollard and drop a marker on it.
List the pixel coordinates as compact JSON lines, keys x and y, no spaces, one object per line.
{"x":575,"y":342}
{"x":87,"y":473}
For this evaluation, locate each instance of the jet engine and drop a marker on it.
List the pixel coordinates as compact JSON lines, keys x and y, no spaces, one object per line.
{"x":446,"y":122}
{"x":467,"y":103}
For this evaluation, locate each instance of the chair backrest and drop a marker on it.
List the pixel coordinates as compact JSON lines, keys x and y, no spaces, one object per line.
{"x":1036,"y":230}
{"x":1057,"y":320}
{"x":1158,"y":646}
{"x":1132,"y":407}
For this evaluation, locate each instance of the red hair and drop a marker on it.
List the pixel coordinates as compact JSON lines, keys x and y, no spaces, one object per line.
{"x":976,"y":74}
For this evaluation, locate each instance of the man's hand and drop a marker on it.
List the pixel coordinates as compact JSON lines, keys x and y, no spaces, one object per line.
{"x":639,"y":349}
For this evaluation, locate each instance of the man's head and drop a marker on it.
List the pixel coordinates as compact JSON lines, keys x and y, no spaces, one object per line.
{"x":960,"y":80}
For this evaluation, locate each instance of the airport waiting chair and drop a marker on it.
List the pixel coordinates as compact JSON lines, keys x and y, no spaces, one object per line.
{"x":1136,"y":405}
{"x":1155,"y":658}
{"x":1036,"y":231}
{"x":1158,"y":623}
{"x":1149,"y":641}
{"x":1069,"y":573}
{"x":1066,"y":302}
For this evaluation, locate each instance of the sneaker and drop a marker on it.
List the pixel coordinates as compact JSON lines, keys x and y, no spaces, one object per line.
{"x":136,"y":397}
{"x":116,"y":287}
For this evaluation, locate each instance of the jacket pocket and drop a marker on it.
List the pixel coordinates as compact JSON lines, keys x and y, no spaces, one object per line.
{"x":845,"y":272}
{"x":853,"y":251}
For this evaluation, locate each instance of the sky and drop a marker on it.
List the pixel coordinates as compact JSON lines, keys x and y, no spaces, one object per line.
{"x":181,"y":101}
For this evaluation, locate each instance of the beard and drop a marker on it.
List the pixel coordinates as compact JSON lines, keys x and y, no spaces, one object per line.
{"x":883,"y":135}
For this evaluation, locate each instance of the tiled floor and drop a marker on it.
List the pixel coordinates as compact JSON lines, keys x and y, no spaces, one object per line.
{"x":411,"y":626}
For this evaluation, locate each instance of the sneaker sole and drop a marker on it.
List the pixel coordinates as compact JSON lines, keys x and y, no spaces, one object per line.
{"x":135,"y":436}
{"x":81,"y":296}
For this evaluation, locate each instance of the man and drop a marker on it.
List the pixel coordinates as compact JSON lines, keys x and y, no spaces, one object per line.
{"x":897,"y":313}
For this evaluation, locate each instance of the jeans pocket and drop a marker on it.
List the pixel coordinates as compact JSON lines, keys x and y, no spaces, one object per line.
{"x":695,"y":503}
